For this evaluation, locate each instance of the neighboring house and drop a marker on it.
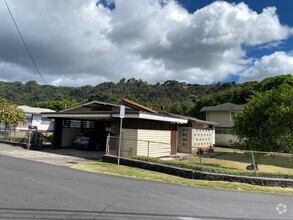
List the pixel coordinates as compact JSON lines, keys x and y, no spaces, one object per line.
{"x":144,"y":131}
{"x":223,"y":114}
{"x":33,"y":117}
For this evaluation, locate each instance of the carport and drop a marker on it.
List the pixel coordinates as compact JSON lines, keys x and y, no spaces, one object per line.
{"x":70,"y":127}
{"x":93,"y":116}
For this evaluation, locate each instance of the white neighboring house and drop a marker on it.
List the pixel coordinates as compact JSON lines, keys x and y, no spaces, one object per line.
{"x":34,"y":117}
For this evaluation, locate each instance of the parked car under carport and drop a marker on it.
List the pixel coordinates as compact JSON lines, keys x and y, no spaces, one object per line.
{"x":93,"y":140}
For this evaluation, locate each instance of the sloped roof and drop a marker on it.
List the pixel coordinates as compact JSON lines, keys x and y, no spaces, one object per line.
{"x":189,"y":118}
{"x":88,"y":104}
{"x":135,"y":105}
{"x":223,"y":107}
{"x":135,"y":110}
{"x":34,"y":110}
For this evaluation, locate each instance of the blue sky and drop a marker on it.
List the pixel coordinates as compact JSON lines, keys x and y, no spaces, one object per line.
{"x":86,"y":42}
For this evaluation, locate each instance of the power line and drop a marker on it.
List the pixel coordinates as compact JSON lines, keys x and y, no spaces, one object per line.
{"x":23,"y":41}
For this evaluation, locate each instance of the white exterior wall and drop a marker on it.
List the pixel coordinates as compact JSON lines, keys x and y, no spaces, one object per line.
{"x":129,"y":142}
{"x":159,"y":143}
{"x":42,"y":126}
{"x":37,"y":121}
{"x":135,"y":143}
{"x":67,"y":135}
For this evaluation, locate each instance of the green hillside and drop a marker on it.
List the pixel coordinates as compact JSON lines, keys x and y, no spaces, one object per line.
{"x":171,"y":96}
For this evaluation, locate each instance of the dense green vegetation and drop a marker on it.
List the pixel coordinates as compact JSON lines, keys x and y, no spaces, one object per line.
{"x":171,"y":96}
{"x":266,"y":122}
{"x":9,"y":113}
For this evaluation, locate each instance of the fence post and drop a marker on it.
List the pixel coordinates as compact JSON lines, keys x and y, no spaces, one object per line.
{"x":10,"y":135}
{"x":40,"y":140}
{"x":148,"y":150}
{"x":253,"y":161}
{"x":199,"y":155}
{"x":29,"y":140}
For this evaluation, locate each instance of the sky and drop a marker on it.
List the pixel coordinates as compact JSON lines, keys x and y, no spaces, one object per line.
{"x":86,"y":42}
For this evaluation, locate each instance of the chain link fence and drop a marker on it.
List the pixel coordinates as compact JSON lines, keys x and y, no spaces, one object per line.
{"x":28,"y":139}
{"x":212,"y":159}
{"x":248,"y":163}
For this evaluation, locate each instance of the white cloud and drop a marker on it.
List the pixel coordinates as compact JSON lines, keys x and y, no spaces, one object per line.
{"x":278,"y":63}
{"x":78,"y":42}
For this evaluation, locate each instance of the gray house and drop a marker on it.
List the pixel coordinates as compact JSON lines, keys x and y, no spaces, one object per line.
{"x":223,"y":114}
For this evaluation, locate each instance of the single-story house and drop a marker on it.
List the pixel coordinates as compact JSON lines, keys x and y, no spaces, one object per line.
{"x":144,"y":130}
{"x":33,"y":117}
{"x":223,"y":114}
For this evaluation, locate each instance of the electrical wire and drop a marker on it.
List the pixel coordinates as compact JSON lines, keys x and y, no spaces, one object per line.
{"x":24,"y":43}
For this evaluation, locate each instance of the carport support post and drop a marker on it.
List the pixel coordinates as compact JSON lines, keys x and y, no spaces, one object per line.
{"x":148,"y":150}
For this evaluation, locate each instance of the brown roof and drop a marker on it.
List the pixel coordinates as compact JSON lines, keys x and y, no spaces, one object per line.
{"x":137,"y":106}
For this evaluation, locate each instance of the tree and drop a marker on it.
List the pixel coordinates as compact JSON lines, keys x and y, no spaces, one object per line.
{"x":10,"y":114}
{"x":266,"y":122}
{"x":275,"y":82}
{"x":57,"y":105}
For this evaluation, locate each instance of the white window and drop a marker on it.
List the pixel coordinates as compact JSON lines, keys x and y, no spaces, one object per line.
{"x":232,"y":114}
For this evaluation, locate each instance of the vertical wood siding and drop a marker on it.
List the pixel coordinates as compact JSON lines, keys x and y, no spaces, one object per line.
{"x":159,"y":143}
{"x":129,"y":142}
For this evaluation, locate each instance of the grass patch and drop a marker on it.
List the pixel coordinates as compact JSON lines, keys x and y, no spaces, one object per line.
{"x":113,"y":169}
{"x":234,"y":166}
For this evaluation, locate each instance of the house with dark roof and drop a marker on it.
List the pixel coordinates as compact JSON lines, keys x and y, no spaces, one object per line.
{"x":223,"y":114}
{"x":145,"y":132}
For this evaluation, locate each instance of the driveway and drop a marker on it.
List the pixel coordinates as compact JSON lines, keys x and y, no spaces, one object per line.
{"x":62,"y":157}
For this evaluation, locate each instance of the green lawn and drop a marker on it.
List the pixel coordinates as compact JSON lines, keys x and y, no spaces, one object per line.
{"x":113,"y":169}
{"x":234,"y":163}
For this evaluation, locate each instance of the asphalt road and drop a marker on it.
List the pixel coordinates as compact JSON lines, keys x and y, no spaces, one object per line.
{"x":31,"y":190}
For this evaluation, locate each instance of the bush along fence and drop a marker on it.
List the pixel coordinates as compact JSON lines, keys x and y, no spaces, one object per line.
{"x":28,"y":139}
{"x":212,"y":160}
